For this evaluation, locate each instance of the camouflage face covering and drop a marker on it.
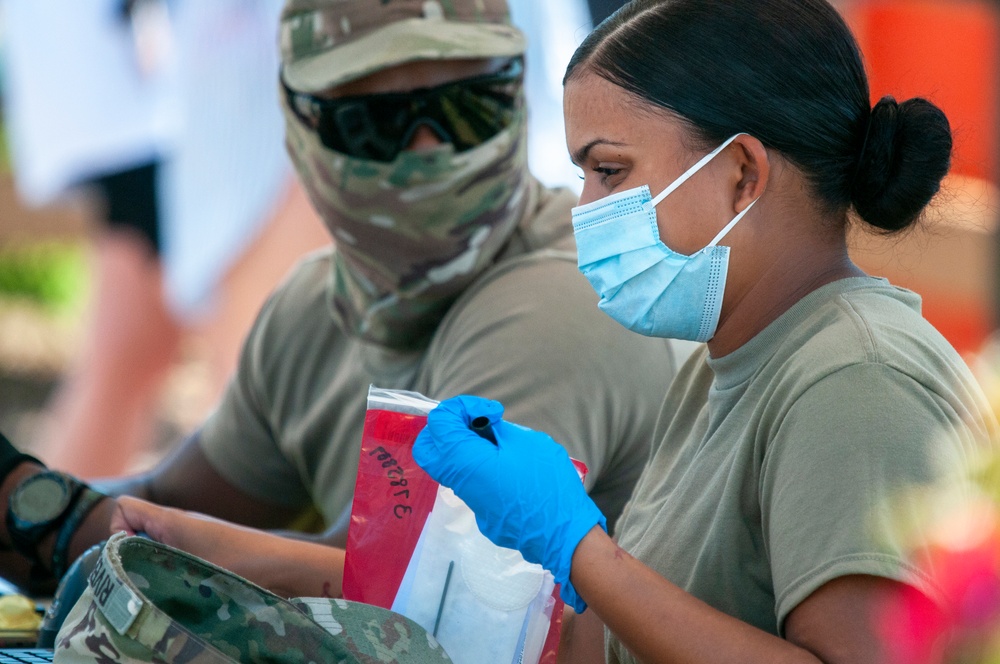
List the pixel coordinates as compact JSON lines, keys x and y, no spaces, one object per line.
{"x":411,"y":234}
{"x":146,"y":602}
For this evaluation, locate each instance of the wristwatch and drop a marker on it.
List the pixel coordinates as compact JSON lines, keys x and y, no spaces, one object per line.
{"x":37,"y":507}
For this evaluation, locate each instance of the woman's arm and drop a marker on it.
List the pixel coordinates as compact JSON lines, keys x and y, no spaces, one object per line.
{"x":287,"y":567}
{"x":526,"y":495}
{"x":659,"y":622}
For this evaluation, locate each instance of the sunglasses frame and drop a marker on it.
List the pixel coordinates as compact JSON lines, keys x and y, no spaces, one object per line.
{"x":326,"y":115}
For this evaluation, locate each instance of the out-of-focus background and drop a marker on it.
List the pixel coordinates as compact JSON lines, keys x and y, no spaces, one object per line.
{"x":945,"y":50}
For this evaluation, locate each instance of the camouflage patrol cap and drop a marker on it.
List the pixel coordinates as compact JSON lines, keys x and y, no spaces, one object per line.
{"x":147,"y":602}
{"x":328,"y":42}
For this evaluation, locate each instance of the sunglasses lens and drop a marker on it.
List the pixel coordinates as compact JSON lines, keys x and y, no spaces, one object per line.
{"x":465,"y":113}
{"x":477,"y":112}
{"x":362,"y":129}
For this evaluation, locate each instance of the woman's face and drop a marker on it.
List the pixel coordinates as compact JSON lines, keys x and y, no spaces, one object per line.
{"x":621,"y":142}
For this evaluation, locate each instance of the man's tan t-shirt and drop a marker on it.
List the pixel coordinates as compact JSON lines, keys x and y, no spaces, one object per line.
{"x":527,"y":333}
{"x":772,"y":467}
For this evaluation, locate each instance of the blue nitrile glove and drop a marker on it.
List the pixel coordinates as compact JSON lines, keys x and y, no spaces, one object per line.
{"x":524,"y":490}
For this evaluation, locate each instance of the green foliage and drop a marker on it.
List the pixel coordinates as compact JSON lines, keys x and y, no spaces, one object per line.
{"x":52,"y":274}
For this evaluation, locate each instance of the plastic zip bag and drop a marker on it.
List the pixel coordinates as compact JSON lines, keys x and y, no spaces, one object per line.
{"x":414,"y":547}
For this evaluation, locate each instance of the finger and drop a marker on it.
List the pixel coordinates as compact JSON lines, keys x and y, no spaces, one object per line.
{"x":120,"y":520}
{"x":134,"y":516}
{"x":449,"y":423}
{"x":448,"y":440}
{"x":447,"y":459}
{"x":470,"y":407}
{"x":427,"y":453}
{"x":447,"y":448}
{"x":119,"y":523}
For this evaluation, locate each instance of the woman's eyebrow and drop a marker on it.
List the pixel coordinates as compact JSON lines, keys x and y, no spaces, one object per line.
{"x":580,"y":155}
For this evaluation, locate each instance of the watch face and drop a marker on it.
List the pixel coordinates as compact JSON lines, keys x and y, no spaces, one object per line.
{"x":40,"y":498}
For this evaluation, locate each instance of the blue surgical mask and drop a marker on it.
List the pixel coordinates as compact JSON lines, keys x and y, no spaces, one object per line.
{"x":643,"y":283}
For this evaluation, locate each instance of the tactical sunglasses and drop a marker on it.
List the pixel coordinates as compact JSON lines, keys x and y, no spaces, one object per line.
{"x":465,"y":113}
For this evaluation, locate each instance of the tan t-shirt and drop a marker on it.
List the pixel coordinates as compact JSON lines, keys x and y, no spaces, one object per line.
{"x":528,"y":333}
{"x":773,"y":466}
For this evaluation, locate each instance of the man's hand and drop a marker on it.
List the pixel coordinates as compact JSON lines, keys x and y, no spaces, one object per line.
{"x":215,"y":540}
{"x":285,"y":566}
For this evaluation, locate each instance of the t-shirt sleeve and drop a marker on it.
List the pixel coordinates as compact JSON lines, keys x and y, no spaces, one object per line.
{"x":238,"y":438}
{"x":851,"y":443}
{"x":532,"y":337}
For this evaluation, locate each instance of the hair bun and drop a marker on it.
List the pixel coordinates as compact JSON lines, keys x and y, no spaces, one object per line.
{"x":905,"y":155}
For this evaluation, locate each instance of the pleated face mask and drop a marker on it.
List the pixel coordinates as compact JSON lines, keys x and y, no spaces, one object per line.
{"x":644,"y":284}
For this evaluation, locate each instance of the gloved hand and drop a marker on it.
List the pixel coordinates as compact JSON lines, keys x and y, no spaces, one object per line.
{"x":524,"y":490}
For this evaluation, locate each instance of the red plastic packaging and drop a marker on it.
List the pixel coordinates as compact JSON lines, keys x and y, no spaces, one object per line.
{"x":392,"y":499}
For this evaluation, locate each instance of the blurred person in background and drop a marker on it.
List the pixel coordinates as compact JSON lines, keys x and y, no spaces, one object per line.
{"x":553,"y":30}
{"x":453,"y":270}
{"x":174,"y":123}
{"x":167,"y":113}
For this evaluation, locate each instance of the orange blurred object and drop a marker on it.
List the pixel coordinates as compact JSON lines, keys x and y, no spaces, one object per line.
{"x":947,"y":51}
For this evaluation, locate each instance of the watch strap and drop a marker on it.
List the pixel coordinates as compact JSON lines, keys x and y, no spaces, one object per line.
{"x":85,"y":501}
{"x":11,"y":458}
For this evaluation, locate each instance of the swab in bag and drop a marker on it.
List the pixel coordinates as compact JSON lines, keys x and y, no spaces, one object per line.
{"x":414,"y":547}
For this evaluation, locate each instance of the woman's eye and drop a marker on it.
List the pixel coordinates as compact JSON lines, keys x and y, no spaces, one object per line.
{"x":603,"y":172}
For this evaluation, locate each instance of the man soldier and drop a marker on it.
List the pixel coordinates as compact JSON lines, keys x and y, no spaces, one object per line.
{"x":453,"y":272}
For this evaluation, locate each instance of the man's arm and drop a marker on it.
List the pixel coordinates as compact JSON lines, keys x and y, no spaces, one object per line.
{"x":288,"y":568}
{"x":185,"y":480}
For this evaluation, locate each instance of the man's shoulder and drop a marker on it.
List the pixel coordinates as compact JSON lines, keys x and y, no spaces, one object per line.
{"x":540,"y":302}
{"x":298,"y":303}
{"x":303,"y":287}
{"x":532,"y":281}
{"x":550,"y":222}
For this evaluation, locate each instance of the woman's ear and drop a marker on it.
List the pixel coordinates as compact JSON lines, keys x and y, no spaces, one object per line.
{"x":755,"y":170}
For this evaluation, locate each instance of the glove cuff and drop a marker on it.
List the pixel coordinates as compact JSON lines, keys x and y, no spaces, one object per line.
{"x":574,"y":532}
{"x":569,"y":595}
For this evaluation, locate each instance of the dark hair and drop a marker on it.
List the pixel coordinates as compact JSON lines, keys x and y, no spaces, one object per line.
{"x":789,"y":73}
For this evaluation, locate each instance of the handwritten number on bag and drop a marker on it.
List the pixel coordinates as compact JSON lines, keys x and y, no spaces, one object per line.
{"x":396,"y":475}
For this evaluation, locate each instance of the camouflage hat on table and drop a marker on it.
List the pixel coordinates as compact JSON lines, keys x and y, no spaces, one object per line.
{"x":147,"y":602}
{"x":329,"y":42}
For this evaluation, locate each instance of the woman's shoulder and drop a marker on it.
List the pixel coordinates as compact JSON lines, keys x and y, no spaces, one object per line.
{"x":871,"y":321}
{"x":872,"y":328}
{"x":845,"y":322}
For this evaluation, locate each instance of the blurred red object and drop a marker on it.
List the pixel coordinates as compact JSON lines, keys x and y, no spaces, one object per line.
{"x":962,"y":626}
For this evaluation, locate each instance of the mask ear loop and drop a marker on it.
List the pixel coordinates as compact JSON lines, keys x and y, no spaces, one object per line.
{"x":728,"y":227}
{"x":691,"y":171}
